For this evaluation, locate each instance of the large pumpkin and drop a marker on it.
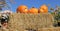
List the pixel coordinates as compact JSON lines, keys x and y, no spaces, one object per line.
{"x":43,"y":9}
{"x":22,"y":9}
{"x":33,"y":10}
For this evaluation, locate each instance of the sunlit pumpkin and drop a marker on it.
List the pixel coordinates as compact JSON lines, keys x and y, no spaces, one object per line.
{"x":22,"y":9}
{"x":43,"y":9}
{"x":33,"y":10}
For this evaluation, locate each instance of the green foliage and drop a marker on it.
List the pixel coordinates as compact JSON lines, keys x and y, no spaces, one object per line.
{"x":56,"y":14}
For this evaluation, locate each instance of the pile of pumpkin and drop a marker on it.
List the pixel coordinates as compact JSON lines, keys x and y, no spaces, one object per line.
{"x":33,"y":10}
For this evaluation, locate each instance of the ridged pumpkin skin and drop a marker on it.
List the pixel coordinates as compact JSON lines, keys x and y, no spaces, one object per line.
{"x":43,"y":9}
{"x":33,"y":10}
{"x":22,"y":9}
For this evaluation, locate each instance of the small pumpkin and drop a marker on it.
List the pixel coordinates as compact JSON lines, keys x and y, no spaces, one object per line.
{"x":22,"y":9}
{"x":33,"y":10}
{"x":43,"y":9}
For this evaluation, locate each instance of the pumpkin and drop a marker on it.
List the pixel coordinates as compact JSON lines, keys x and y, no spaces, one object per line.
{"x":43,"y":9}
{"x":33,"y":10}
{"x":22,"y":9}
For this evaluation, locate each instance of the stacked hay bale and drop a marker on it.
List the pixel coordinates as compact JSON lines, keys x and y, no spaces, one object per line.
{"x":22,"y":22}
{"x":50,"y":29}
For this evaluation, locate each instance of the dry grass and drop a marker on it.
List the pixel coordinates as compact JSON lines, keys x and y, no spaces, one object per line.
{"x":50,"y":29}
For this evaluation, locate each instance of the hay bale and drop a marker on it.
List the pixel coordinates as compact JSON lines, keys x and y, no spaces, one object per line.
{"x":30,"y":21}
{"x":50,"y":29}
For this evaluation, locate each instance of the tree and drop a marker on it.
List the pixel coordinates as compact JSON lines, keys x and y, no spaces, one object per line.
{"x":56,"y":14}
{"x":4,"y":4}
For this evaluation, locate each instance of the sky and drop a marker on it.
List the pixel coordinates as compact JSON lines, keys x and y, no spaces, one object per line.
{"x":33,"y":3}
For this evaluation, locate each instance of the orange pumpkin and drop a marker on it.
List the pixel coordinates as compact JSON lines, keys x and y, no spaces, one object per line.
{"x":43,"y":9}
{"x":22,"y":9}
{"x":33,"y":10}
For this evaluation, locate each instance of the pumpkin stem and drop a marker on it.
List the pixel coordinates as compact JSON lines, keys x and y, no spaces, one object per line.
{"x":33,"y":7}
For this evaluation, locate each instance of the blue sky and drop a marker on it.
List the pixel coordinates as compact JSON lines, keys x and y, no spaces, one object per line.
{"x":35,"y":3}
